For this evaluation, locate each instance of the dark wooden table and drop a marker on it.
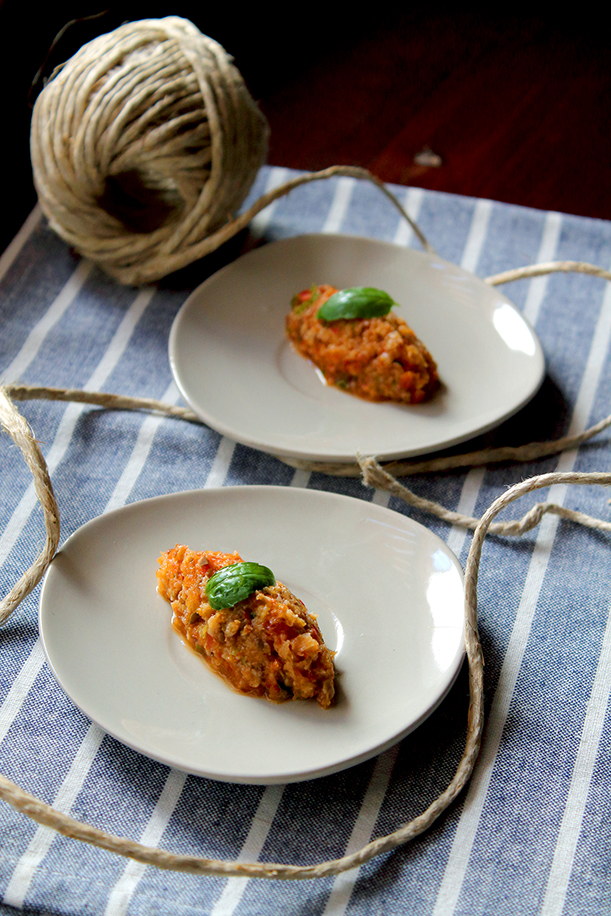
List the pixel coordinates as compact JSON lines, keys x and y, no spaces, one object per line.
{"x":514,"y":108}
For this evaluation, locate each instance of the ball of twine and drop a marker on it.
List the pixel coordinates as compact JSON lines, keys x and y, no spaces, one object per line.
{"x":144,"y":144}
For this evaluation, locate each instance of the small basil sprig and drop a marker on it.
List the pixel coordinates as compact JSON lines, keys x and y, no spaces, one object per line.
{"x":235,"y":583}
{"x":356,"y":302}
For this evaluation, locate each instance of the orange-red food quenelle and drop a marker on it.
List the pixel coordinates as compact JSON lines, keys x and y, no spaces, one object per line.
{"x":267,"y":645}
{"x":379,"y":359}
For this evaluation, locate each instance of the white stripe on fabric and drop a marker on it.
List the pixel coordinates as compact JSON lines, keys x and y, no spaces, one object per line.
{"x":564,"y":854}
{"x":475,"y":478}
{"x":221,"y":463}
{"x":35,"y":338}
{"x":120,"y":339}
{"x":547,"y":249}
{"x":140,"y":453}
{"x":70,"y":418}
{"x":343,"y":884}
{"x":459,"y":854}
{"x":123,"y":890}
{"x":39,"y":845}
{"x":464,"y":837}
{"x":20,"y":688}
{"x":466,"y":506}
{"x":300,"y":479}
{"x":467,"y":827}
{"x":412,"y":205}
{"x":120,"y":896}
{"x":340,"y":204}
{"x":477,"y":235}
{"x":551,"y":232}
{"x":381,"y":498}
{"x":568,"y":835}
{"x":235,"y":887}
{"x":26,"y":866}
{"x":14,"y":247}
{"x":594,"y":365}
{"x":260,"y":222}
{"x":251,"y":850}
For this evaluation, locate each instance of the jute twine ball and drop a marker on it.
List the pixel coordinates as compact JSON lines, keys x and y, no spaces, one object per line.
{"x":144,"y":144}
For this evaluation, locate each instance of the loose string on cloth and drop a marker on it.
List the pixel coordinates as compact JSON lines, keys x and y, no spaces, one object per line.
{"x":373,"y":475}
{"x":21,"y":434}
{"x":44,"y":814}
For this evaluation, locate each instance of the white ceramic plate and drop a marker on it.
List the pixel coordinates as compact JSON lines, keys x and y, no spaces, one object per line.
{"x":235,"y":367}
{"x":388,"y":595}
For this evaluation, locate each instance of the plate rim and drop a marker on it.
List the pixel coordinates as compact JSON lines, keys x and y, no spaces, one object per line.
{"x":307,"y":454}
{"x":283,"y":777}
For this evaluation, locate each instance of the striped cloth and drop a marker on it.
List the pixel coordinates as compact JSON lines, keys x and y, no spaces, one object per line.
{"x":532,"y":834}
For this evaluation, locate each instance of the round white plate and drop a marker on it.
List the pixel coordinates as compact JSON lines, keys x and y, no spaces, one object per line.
{"x":388,"y":595}
{"x":235,"y":367}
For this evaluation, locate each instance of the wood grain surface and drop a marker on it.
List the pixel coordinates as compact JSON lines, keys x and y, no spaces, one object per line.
{"x":514,"y":107}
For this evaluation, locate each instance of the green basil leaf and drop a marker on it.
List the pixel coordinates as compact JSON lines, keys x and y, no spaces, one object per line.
{"x":235,"y":583}
{"x":356,"y":302}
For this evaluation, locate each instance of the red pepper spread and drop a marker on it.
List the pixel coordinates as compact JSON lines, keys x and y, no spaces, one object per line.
{"x":378,"y":359}
{"x":267,"y":645}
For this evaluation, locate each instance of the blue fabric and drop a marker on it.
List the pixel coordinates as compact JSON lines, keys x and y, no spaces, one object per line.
{"x":533,"y":835}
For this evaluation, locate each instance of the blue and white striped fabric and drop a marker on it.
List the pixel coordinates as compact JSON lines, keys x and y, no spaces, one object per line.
{"x":533,"y":833}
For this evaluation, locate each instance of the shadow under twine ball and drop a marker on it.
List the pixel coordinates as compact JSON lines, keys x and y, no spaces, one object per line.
{"x":144,"y":145}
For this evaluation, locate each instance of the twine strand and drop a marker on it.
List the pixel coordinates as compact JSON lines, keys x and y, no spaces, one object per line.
{"x":22,"y":436}
{"x":539,"y":270}
{"x":146,"y":143}
{"x":234,"y":226}
{"x":374,"y":475}
{"x":159,"y":101}
{"x":521,"y":453}
{"x":99,"y":399}
{"x":372,"y":472}
{"x":505,"y":453}
{"x":44,"y":814}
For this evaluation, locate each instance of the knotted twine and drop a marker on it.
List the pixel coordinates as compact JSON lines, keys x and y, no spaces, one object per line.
{"x":373,"y":475}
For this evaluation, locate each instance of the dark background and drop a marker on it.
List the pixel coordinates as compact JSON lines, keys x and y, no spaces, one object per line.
{"x":515,"y":104}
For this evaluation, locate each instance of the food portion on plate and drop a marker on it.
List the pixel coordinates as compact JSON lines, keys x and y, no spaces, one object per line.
{"x":108,"y":639}
{"x":248,"y":627}
{"x":359,"y":346}
{"x":237,"y":368}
